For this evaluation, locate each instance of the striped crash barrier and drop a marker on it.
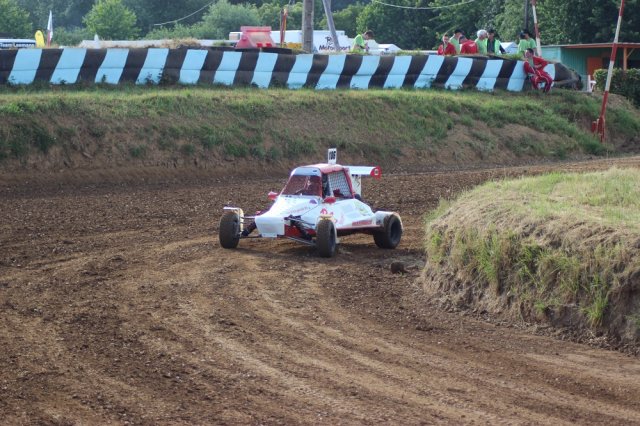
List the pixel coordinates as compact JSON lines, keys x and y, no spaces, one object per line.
{"x":265,"y":69}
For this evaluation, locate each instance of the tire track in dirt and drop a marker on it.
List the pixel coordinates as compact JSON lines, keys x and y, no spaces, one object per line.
{"x":117,"y":305}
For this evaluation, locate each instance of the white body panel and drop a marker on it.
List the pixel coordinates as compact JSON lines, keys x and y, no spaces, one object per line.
{"x":271,"y":224}
{"x":346,"y":213}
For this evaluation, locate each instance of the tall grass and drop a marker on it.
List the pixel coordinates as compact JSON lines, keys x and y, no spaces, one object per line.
{"x":552,"y":241}
{"x":377,"y":123}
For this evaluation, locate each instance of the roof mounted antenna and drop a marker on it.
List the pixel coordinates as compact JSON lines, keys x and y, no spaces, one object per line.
{"x":332,"y":155}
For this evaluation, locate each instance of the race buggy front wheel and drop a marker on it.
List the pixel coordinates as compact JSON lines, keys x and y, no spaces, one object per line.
{"x":229,"y":232}
{"x":391,"y":233}
{"x":326,"y":238}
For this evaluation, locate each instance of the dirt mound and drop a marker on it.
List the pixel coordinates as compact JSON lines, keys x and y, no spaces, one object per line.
{"x":558,"y":249}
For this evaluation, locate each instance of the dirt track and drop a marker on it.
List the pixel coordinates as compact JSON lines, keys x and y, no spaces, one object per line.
{"x":117,"y":305}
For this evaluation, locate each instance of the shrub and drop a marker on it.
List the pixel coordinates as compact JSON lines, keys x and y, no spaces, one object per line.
{"x":4,"y":149}
{"x":274,"y":153}
{"x":138,"y":151}
{"x":188,"y":149}
{"x":71,"y":36}
{"x":19,"y":148}
{"x":209,"y":141}
{"x":177,"y":32}
{"x":42,"y":139}
{"x":625,"y":83}
{"x":258,"y":151}
{"x":236,"y":150}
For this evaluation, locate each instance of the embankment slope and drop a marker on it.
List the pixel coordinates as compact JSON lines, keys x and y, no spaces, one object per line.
{"x":258,"y":132}
{"x":560,"y":249}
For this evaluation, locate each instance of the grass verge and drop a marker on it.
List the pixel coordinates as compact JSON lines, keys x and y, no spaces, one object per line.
{"x":559,"y":248}
{"x":209,"y":124}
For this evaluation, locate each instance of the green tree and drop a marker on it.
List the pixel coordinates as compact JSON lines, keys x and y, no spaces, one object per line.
{"x":69,"y":13}
{"x":175,"y":32}
{"x":270,"y":14}
{"x":346,"y":19}
{"x":561,"y":21}
{"x":14,"y":20}
{"x":470,"y":17}
{"x":510,"y":21}
{"x":582,"y":21}
{"x":223,"y":17}
{"x":66,"y":13}
{"x":111,"y":20}
{"x":606,"y":21}
{"x":447,"y":19}
{"x":337,"y":5}
{"x":71,"y":16}
{"x":71,"y":37}
{"x":407,"y":28}
{"x":151,"y":12}
{"x":556,"y":25}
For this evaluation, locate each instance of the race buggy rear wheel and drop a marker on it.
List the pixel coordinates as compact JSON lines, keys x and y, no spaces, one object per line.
{"x":326,"y":238}
{"x":389,"y":237}
{"x":229,"y":232}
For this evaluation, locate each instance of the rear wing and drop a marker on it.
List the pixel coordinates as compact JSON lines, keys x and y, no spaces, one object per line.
{"x":374,"y":172}
{"x":357,"y":172}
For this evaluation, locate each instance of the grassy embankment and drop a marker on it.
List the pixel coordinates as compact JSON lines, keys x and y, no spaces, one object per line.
{"x":69,"y":127}
{"x":559,"y":248}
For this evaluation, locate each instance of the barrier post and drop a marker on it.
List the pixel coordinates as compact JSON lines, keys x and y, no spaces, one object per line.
{"x":535,"y":28}
{"x":598,"y":125}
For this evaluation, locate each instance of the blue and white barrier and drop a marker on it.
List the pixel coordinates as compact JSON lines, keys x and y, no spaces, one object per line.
{"x":264,"y":69}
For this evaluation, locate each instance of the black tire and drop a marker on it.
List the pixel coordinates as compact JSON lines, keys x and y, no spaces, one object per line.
{"x":326,"y":238}
{"x":389,"y":237}
{"x":229,"y":232}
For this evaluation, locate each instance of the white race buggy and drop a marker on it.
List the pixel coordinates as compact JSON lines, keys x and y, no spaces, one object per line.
{"x":319,"y":204}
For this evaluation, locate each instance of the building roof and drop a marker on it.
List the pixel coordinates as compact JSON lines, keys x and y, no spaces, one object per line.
{"x":595,"y":45}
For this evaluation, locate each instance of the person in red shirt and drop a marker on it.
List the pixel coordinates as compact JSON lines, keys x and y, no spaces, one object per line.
{"x":446,"y":48}
{"x":468,"y":47}
{"x":534,"y":68}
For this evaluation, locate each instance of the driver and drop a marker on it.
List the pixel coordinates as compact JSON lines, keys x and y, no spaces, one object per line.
{"x":326,"y":191}
{"x":313,"y":186}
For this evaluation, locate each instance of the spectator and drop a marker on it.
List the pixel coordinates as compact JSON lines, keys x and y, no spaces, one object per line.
{"x":534,"y":68}
{"x":446,"y":48}
{"x":360,"y":42}
{"x":455,"y":40}
{"x":468,"y":47}
{"x":493,"y":44}
{"x":481,"y":41}
{"x":526,"y":42}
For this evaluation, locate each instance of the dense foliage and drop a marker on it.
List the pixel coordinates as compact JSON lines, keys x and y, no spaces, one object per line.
{"x":417,"y":24}
{"x":404,"y":27}
{"x":14,"y":20}
{"x":625,"y":83}
{"x":223,"y":17}
{"x":112,"y":20}
{"x":346,"y":19}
